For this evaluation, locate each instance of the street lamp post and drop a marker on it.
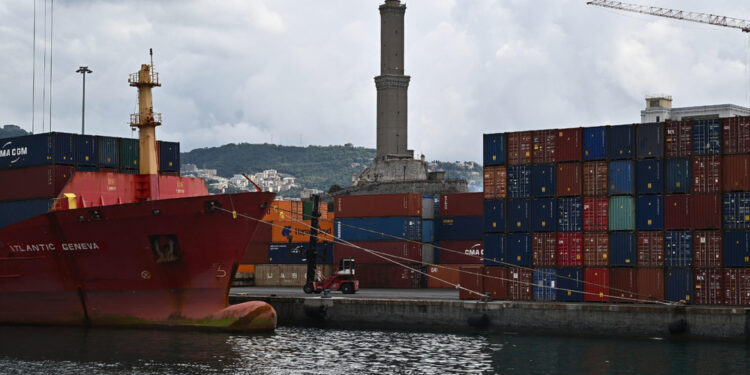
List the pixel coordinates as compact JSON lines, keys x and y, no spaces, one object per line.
{"x":83,"y":70}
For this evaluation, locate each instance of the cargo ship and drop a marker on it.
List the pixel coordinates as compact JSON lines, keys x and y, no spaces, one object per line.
{"x":93,"y":233}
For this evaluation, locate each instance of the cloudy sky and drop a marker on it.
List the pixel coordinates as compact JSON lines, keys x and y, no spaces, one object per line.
{"x":298,"y":72}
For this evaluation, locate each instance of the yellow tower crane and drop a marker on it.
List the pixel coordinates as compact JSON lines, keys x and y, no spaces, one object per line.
{"x":146,"y":120}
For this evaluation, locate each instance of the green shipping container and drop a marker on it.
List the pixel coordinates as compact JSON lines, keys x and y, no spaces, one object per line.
{"x":129,"y":153}
{"x":621,"y":213}
{"x":307,"y":208}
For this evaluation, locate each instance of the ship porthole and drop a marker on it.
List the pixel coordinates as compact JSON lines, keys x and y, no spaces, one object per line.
{"x":146,"y":275}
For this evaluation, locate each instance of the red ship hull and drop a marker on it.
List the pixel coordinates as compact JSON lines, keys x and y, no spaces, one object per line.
{"x":161,"y":262}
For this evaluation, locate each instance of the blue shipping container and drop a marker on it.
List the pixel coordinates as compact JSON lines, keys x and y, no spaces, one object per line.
{"x":570,"y":214}
{"x":649,"y":176}
{"x":545,"y":284}
{"x":37,"y":149}
{"x":494,"y":215}
{"x":650,"y":212}
{"x":494,"y":149}
{"x":707,"y":137}
{"x":621,"y":142}
{"x":494,"y":249}
{"x":678,"y":249}
{"x":86,"y":151}
{"x":109,"y":152}
{"x":519,"y":249}
{"x":736,"y":248}
{"x":622,"y":249}
{"x":409,"y":228}
{"x":296,"y":253}
{"x":678,"y":175}
{"x":169,"y":156}
{"x":569,"y":284}
{"x":543,"y":181}
{"x":17,"y":211}
{"x":736,"y":210}
{"x":428,"y":231}
{"x":679,"y":284}
{"x":459,"y":228}
{"x":519,"y":181}
{"x":621,"y":177}
{"x":543,"y":215}
{"x":595,"y":143}
{"x":649,"y":140}
{"x":519,"y":215}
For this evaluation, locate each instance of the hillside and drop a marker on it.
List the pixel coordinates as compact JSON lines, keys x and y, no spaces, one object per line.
{"x":11,"y":131}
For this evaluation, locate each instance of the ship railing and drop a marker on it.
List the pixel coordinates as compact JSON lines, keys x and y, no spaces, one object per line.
{"x":153,"y":118}
{"x":135,"y":78}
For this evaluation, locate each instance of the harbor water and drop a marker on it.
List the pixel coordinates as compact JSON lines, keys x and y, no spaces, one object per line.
{"x":44,"y":350}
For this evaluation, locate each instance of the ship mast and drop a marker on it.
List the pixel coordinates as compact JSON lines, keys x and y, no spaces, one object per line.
{"x":146,"y":120}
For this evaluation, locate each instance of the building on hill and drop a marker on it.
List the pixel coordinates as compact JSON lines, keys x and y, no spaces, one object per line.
{"x":659,"y":109}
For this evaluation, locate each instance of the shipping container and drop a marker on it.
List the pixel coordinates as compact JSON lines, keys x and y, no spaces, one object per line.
{"x":461,"y":204}
{"x":708,"y":284}
{"x":736,"y":135}
{"x":569,"y":214}
{"x":569,"y":144}
{"x":736,"y":210}
{"x":285,"y":230}
{"x":494,"y":215}
{"x":459,"y":228}
{"x":284,"y":210}
{"x":86,"y":152}
{"x":307,"y":210}
{"x":545,"y":280}
{"x":169,"y":156}
{"x":570,"y":249}
{"x":461,"y":252}
{"x":705,"y":210}
{"x":494,"y":149}
{"x":37,"y":149}
{"x":379,"y":228}
{"x":621,"y":179}
{"x":650,"y":248}
{"x":736,"y":248}
{"x":650,"y":284}
{"x":706,"y":137}
{"x":543,"y":180}
{"x":429,"y":206}
{"x":495,"y":182}
{"x":543,"y":146}
{"x":495,"y":251}
{"x":595,"y":178}
{"x":649,"y":140}
{"x":287,"y":274}
{"x":495,"y":283}
{"x":737,"y":286}
{"x":429,"y":254}
{"x":677,"y":176}
{"x":520,"y":284}
{"x":443,"y":276}
{"x":17,"y":211}
{"x":519,"y":148}
{"x":380,"y":205}
{"x":34,"y":182}
{"x":296,"y":253}
{"x":595,"y":143}
{"x":622,"y":287}
{"x":129,"y":153}
{"x":255,"y":253}
{"x":569,"y":285}
{"x":622,"y":249}
{"x":707,"y":249}
{"x":677,"y":212}
{"x":679,"y":285}
{"x":519,"y":181}
{"x":519,"y":215}
{"x":471,"y":279}
{"x":519,"y":249}
{"x":678,"y":139}
{"x":595,"y":249}
{"x":621,"y":142}
{"x":83,"y":168}
{"x":544,"y":249}
{"x":678,"y":249}
{"x":543,"y":215}
{"x":569,"y":179}
{"x":621,"y":213}
{"x":596,"y":285}
{"x":649,"y":176}
{"x":374,"y":252}
{"x":389,"y":276}
{"x":595,"y":214}
{"x":109,"y":152}
{"x":736,"y":173}
{"x":650,"y":209}
{"x":707,"y":174}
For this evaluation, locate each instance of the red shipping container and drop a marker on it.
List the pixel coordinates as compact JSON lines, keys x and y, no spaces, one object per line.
{"x":388,"y":276}
{"x":596,"y":285}
{"x":461,"y":252}
{"x":707,"y":174}
{"x":622,"y":285}
{"x":735,"y":173}
{"x":255,"y":253}
{"x":705,"y":210}
{"x":595,"y":178}
{"x":462,"y":204}
{"x":678,"y":139}
{"x":708,"y":286}
{"x":677,"y":212}
{"x":519,"y":148}
{"x":737,"y":286}
{"x":400,"y":250}
{"x":443,"y":276}
{"x":569,"y":144}
{"x":650,"y":249}
{"x":595,"y":214}
{"x":736,"y":135}
{"x":570,"y":249}
{"x":544,"y":249}
{"x":34,"y":182}
{"x":379,"y":205}
{"x":471,"y":278}
{"x":495,"y":182}
{"x":496,"y":282}
{"x":595,"y":249}
{"x":650,"y":284}
{"x":520,"y":283}
{"x":707,"y":249}
{"x":543,"y":146}
{"x":569,"y":181}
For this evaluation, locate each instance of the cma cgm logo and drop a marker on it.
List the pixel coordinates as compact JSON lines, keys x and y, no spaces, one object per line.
{"x":476,"y":250}
{"x":8,"y":151}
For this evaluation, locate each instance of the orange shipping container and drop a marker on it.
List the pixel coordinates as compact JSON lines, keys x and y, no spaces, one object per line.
{"x":282,"y":231}
{"x":447,"y":272}
{"x":284,"y":210}
{"x":495,"y":182}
